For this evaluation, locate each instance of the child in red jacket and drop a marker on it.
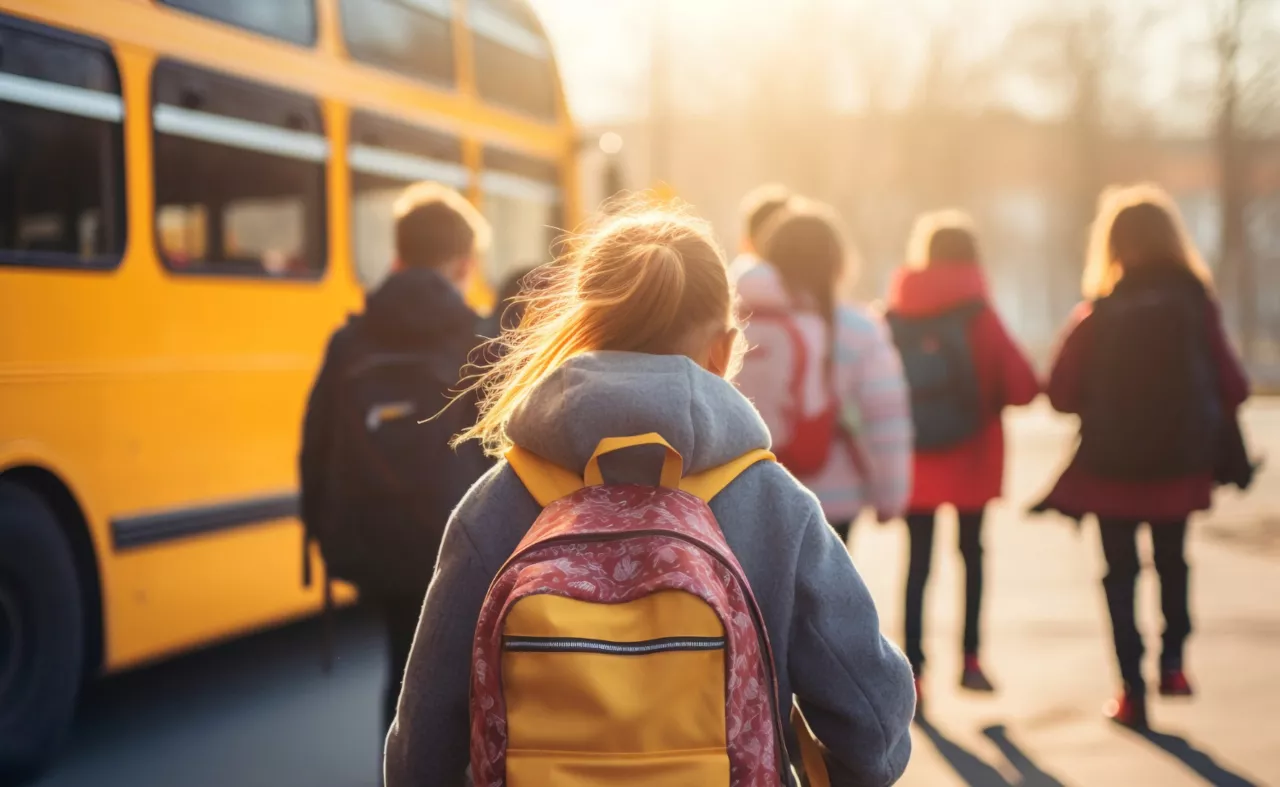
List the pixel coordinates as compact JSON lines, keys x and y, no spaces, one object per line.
{"x":963,"y":370}
{"x":1146,"y":364}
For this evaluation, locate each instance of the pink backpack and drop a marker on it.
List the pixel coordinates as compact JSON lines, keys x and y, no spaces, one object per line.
{"x":621,"y":644}
{"x":787,"y":374}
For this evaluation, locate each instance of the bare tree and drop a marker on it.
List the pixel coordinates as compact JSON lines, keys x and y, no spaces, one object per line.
{"x":789,"y":97}
{"x":1083,"y":53}
{"x":1227,"y":29}
{"x":1247,"y":94}
{"x":920,"y":112}
{"x":935,"y":116}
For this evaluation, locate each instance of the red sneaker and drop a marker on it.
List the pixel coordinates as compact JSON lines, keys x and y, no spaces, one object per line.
{"x":1130,"y":710}
{"x":973,"y":678}
{"x":1174,"y":683}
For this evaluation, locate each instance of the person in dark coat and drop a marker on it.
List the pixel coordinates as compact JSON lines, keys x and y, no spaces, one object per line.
{"x":418,"y":312}
{"x":1146,"y":363}
{"x":944,"y":277}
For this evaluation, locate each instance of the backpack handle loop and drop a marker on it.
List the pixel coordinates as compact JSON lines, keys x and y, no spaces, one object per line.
{"x":672,"y":463}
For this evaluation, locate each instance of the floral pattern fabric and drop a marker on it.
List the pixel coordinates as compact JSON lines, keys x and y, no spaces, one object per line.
{"x":613,"y":544}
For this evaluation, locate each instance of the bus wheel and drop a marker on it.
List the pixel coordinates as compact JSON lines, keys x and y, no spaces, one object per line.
{"x":41,"y":634}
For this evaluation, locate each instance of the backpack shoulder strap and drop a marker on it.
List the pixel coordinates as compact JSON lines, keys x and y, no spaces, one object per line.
{"x":709,"y":483}
{"x":548,"y":482}
{"x":545,"y":480}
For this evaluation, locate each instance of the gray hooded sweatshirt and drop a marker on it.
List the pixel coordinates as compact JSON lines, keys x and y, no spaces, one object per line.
{"x":854,"y":687}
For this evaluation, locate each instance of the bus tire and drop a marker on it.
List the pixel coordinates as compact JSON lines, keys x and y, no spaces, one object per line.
{"x":41,"y":634}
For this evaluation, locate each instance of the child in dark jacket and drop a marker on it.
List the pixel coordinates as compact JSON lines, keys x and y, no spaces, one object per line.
{"x":636,"y":334}
{"x":418,"y":312}
{"x":1146,"y":364}
{"x":943,"y":289}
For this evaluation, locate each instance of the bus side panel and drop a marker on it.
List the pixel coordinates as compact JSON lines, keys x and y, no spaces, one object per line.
{"x":171,"y":395}
{"x":169,"y":399}
{"x":215,"y":424}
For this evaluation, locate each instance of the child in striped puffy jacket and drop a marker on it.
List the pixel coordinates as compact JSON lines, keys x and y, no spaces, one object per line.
{"x":853,"y":367}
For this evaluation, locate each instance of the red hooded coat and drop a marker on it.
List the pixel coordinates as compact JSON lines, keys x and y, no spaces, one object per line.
{"x":971,"y":474}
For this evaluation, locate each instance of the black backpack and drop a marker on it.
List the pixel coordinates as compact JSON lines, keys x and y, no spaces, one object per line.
{"x":392,"y":478}
{"x":1152,"y":408}
{"x":937,"y":356}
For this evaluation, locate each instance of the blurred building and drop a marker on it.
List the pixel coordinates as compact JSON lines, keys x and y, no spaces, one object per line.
{"x":1020,"y":179}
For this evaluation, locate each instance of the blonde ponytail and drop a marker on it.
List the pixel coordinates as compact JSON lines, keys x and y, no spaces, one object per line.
{"x":643,"y":281}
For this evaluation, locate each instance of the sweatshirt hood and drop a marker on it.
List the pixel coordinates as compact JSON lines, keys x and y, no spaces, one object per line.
{"x":935,"y":290}
{"x":616,"y":394}
{"x":418,"y":304}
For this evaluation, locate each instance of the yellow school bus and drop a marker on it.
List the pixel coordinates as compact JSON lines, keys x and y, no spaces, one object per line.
{"x":193,"y":194}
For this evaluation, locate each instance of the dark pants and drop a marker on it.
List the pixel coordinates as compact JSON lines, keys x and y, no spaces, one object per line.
{"x":920,"y":526}
{"x":400,"y":614}
{"x":1120,"y":547}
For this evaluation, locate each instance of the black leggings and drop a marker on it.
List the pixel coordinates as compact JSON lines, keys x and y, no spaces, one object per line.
{"x":1120,"y":547}
{"x":920,"y":526}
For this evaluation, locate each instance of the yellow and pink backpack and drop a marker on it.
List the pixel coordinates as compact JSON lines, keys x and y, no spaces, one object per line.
{"x":621,"y":645}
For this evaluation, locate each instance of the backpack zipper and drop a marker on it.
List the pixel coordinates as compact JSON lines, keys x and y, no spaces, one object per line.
{"x":608,"y":647}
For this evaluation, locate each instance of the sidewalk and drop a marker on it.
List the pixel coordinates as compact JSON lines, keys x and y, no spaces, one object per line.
{"x":1047,"y":641}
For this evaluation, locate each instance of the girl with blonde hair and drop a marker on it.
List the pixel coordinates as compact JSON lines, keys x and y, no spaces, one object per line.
{"x":633,"y":333}
{"x":1146,"y":364}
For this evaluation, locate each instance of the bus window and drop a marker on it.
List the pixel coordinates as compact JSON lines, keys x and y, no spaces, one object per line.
{"x":288,"y":20}
{"x":412,"y":37}
{"x":385,"y":156}
{"x":513,"y":61}
{"x":523,"y":203}
{"x":61,"y":150}
{"x":239,"y":176}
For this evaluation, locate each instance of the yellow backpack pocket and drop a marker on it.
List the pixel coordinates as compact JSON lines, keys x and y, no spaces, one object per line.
{"x":615,"y":694}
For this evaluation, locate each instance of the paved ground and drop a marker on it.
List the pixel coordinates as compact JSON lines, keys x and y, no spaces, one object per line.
{"x":1046,"y":642}
{"x":255,"y":713}
{"x":259,"y":712}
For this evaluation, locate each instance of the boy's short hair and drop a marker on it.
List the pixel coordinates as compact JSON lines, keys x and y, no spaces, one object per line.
{"x":761,"y":204}
{"x":435,"y":225}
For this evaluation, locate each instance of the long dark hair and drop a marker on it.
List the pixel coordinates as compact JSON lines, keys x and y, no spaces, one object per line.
{"x":804,"y":244}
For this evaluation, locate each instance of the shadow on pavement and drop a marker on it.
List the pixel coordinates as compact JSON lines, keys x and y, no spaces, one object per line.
{"x":976,"y":772}
{"x":256,"y":665}
{"x":1197,"y":760}
{"x":254,"y":712}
